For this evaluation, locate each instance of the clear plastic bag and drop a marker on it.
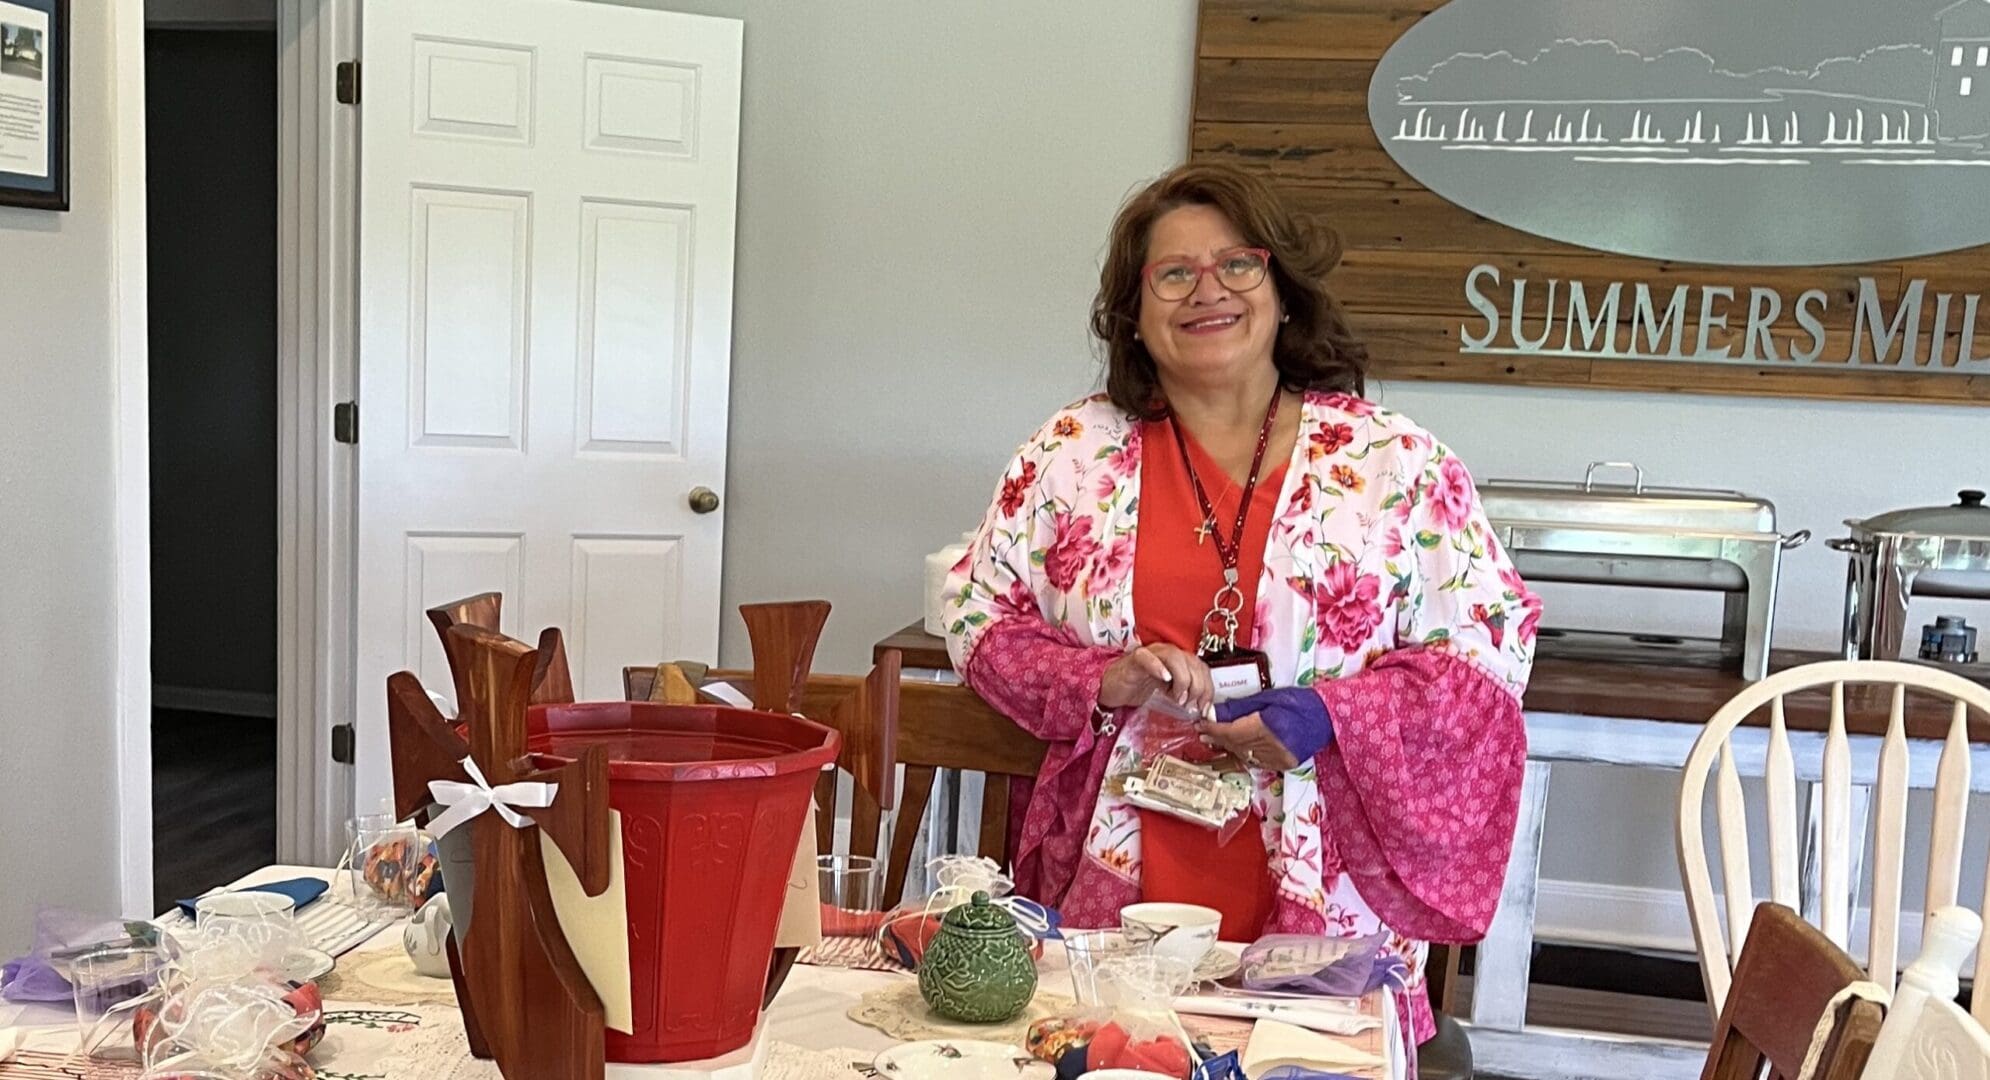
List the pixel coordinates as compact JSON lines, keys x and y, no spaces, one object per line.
{"x":1320,"y":966}
{"x":60,"y":936}
{"x":1161,"y":763}
{"x":1140,"y":1029}
{"x":906,"y":930}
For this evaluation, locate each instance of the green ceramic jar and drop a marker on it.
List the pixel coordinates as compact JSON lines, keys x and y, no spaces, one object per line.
{"x":978,"y":969}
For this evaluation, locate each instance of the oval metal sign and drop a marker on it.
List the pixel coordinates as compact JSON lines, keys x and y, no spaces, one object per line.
{"x":1755,"y":133}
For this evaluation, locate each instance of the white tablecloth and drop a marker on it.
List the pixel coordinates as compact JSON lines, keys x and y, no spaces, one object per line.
{"x":369,"y":1041}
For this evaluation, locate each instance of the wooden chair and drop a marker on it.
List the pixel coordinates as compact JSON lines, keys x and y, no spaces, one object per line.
{"x":1784,"y":982}
{"x":552,"y":682}
{"x":1926,"y":1033}
{"x":1838,"y":852}
{"x":864,"y":711}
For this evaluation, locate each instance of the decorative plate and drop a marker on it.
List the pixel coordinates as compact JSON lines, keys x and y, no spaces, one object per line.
{"x":1217,"y":965}
{"x":305,"y":965}
{"x":960,"y":1059}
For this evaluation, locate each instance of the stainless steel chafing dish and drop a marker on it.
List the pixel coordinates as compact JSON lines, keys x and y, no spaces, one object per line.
{"x":1927,"y":551}
{"x":1656,"y":537}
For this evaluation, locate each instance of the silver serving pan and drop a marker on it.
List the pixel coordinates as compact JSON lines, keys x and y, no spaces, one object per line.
{"x":1656,"y":537}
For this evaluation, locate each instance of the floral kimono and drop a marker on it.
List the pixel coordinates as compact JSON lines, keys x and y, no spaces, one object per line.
{"x":1383,"y":589}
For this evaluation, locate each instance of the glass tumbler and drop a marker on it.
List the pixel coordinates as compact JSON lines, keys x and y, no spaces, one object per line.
{"x":851,"y":887}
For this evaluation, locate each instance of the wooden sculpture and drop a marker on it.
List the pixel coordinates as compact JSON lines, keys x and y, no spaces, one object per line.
{"x":552,"y":681}
{"x":526,"y":1002}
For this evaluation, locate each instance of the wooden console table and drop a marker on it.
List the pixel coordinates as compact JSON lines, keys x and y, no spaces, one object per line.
{"x":1635,"y":715}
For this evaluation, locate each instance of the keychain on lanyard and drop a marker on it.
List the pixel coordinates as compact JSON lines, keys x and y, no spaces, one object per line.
{"x":1236,"y":672}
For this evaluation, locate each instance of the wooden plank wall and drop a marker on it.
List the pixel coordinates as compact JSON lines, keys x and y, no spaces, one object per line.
{"x":1281,"y":89}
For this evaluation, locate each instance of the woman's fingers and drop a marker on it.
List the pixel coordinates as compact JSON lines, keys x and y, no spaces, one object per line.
{"x":1152,"y":665}
{"x":1250,"y":741}
{"x":1181,"y":672}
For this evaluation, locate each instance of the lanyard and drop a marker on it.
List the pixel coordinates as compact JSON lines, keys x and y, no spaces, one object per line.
{"x":1219,"y":626}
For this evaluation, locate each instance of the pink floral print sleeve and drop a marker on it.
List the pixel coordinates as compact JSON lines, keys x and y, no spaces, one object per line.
{"x":1384,"y":589}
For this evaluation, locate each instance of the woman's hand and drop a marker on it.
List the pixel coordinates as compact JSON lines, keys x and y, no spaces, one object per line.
{"x":1275,"y":729}
{"x":1132,"y":678}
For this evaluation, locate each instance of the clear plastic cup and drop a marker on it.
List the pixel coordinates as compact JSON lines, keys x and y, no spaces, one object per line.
{"x":106,"y":979}
{"x":849,"y":883}
{"x":1087,"y":949}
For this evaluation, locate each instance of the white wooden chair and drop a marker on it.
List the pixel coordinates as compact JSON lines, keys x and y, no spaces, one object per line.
{"x":1926,"y":1034}
{"x":1838,"y":852}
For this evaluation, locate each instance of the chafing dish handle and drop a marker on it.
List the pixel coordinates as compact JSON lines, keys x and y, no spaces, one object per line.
{"x":1796,"y":539}
{"x":1589,"y":475}
{"x":1848,"y":545}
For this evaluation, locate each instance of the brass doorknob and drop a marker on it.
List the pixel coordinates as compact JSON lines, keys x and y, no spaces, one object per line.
{"x":704,"y":500}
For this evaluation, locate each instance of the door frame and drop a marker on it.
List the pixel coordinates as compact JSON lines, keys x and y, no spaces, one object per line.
{"x":317,"y":335}
{"x":131,"y":509}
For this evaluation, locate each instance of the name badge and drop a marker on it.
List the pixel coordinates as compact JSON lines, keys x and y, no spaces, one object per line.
{"x":1239,"y":673}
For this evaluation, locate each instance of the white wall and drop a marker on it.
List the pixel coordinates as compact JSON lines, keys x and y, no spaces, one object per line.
{"x":925,"y":193}
{"x":62,"y":758}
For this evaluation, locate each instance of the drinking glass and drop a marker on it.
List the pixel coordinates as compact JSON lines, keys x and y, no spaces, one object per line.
{"x":1087,"y":949}
{"x":103,"y":980}
{"x":851,"y":886}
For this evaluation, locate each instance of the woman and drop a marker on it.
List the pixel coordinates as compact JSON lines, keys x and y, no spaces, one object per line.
{"x":1229,"y":496}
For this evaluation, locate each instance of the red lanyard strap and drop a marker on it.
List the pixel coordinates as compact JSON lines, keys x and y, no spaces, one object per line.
{"x":1228,"y":548}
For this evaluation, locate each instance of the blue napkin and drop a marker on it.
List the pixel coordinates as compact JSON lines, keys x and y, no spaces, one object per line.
{"x":300,"y":890}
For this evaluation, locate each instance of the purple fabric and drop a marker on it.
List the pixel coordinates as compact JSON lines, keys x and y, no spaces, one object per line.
{"x":31,"y":979}
{"x":1295,"y":715}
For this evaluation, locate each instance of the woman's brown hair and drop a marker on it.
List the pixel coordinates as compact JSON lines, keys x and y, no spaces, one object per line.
{"x":1314,"y":351}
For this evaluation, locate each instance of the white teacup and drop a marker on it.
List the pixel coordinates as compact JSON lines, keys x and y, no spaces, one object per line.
{"x":426,"y":938}
{"x":1185,"y":932}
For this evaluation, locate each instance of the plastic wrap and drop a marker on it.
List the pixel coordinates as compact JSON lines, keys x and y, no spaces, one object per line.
{"x":1161,"y":763}
{"x":1139,"y":1029}
{"x":907,"y":929}
{"x":1321,"y":966}
{"x":42,"y":975}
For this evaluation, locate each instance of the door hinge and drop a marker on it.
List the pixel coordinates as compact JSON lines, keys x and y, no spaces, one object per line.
{"x":345,"y":422}
{"x":346,"y":82}
{"x":342,"y":744}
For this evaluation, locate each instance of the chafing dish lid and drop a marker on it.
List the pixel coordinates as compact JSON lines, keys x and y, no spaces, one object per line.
{"x":1635,"y":505}
{"x":1967,"y":519}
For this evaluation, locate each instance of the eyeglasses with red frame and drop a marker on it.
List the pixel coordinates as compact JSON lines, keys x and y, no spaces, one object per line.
{"x":1238,"y":270}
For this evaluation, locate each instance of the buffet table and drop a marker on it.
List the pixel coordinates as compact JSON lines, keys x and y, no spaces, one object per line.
{"x":385,"y":1022}
{"x":1579,"y":709}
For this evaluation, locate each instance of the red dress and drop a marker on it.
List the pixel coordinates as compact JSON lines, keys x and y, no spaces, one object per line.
{"x":1174,"y":580}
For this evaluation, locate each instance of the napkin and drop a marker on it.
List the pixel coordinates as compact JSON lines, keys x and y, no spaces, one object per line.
{"x":1274,"y":1044}
{"x":300,"y":890}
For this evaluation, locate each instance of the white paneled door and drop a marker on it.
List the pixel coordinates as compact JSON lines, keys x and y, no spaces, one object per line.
{"x":547,"y":198}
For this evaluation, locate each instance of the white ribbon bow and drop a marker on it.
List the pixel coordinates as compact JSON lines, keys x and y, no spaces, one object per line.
{"x":466,"y":801}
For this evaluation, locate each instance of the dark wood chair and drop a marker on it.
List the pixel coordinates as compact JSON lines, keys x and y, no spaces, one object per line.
{"x":1785,"y":979}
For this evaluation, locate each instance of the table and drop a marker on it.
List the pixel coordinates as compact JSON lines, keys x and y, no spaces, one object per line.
{"x":1579,"y":709}
{"x":811,"y":1011}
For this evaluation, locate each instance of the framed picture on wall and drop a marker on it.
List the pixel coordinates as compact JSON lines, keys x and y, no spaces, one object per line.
{"x":34,"y":104}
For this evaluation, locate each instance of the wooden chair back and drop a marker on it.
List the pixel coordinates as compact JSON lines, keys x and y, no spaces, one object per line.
{"x":1784,"y":982}
{"x":934,"y":726}
{"x":1926,"y":1033}
{"x":552,"y":681}
{"x":1838,"y":851}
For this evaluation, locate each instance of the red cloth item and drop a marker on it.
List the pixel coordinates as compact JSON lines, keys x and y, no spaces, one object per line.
{"x":1174,"y":577}
{"x":1182,"y":863}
